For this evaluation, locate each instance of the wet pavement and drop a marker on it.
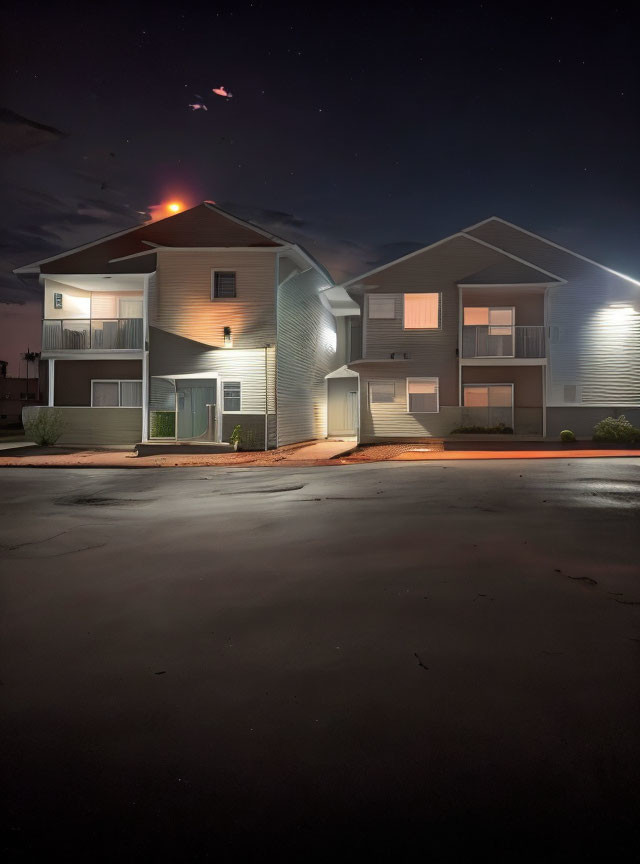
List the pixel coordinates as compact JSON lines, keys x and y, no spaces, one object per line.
{"x":395,"y":661}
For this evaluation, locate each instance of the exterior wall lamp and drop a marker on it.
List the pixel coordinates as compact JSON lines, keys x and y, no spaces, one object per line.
{"x":227,"y":337}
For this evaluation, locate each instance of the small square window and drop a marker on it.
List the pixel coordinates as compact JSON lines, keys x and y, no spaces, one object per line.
{"x":224,"y":285}
{"x":382,"y":307}
{"x":381,"y":391}
{"x":231,"y":396}
{"x":57,"y":301}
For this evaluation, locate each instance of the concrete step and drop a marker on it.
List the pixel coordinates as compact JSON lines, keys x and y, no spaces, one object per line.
{"x":160,"y":448}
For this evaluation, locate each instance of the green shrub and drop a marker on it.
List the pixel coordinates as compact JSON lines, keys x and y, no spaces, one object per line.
{"x":44,"y":426}
{"x":616,"y":430}
{"x":567,"y":436}
{"x":163,"y":424}
{"x":236,"y":435}
{"x":500,"y":429}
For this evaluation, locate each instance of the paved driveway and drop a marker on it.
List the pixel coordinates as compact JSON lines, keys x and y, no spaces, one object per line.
{"x":205,"y":664}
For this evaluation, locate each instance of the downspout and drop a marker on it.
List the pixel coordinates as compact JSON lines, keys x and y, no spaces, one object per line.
{"x":266,"y":397}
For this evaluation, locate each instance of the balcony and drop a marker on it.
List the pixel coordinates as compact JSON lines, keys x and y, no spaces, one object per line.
{"x":503,"y":341}
{"x":92,"y":334}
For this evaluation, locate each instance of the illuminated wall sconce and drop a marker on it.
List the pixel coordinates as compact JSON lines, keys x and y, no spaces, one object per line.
{"x":227,"y":337}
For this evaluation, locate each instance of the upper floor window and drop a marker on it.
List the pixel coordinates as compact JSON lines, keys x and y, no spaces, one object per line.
{"x":421,"y":311}
{"x":499,"y":319}
{"x":57,"y":300}
{"x":223,"y":284}
{"x":382,"y":307}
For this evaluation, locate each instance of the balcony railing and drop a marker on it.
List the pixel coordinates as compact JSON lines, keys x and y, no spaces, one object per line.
{"x":493,"y":340}
{"x":104,"y":334}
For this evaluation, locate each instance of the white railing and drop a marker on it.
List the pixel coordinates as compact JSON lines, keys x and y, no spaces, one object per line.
{"x":494,"y":340}
{"x":97,"y":334}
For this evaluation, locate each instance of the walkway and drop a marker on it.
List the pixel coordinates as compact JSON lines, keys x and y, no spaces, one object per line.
{"x":423,"y":455}
{"x":321,"y":450}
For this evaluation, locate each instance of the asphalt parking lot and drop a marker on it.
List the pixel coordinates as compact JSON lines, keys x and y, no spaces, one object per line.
{"x":387,"y":662}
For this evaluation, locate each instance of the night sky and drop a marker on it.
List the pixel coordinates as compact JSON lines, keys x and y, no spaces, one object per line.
{"x":361,"y":130}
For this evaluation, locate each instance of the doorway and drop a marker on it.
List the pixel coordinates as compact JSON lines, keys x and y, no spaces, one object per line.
{"x":342,"y":406}
{"x":196,"y":410}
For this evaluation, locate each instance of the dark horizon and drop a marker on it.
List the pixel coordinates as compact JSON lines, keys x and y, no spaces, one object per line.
{"x":361,"y":135}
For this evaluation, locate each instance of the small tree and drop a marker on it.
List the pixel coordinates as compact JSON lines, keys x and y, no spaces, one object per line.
{"x":30,"y":357}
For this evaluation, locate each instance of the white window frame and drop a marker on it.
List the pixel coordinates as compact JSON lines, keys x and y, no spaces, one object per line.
{"x":390,"y":298}
{"x":422,"y":329}
{"x":380,"y":381}
{"x":431,"y":379}
{"x":117,"y":381}
{"x":213,"y":297}
{"x":222,"y":384}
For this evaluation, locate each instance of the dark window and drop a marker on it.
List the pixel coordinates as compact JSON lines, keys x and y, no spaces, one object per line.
{"x":224,"y":284}
{"x":231,"y":396}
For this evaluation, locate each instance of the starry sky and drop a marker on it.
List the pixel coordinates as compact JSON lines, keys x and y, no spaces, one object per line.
{"x":361,"y":130}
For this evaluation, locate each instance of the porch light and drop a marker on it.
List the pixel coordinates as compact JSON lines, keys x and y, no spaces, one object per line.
{"x":227,"y":337}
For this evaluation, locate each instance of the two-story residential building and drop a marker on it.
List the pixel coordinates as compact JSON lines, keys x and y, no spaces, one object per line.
{"x":181,"y":329}
{"x":493,"y":325}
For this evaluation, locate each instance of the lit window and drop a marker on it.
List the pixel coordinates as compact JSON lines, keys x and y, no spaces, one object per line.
{"x":488,"y":396}
{"x":422,"y":396}
{"x":382,"y":307}
{"x":116,"y":394}
{"x":223,"y":285}
{"x":381,"y":391}
{"x":231,"y":396}
{"x":421,"y":311}
{"x":498,"y":319}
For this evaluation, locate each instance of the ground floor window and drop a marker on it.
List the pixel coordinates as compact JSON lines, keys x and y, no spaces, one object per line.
{"x":381,"y":391}
{"x":231,"y":396}
{"x":488,"y":404}
{"x":116,"y":394}
{"x":422,"y":396}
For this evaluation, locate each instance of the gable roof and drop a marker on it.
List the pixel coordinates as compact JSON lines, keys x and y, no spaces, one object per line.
{"x":506,"y":272}
{"x":533,"y":246}
{"x":532,"y":268}
{"x":205,"y":225}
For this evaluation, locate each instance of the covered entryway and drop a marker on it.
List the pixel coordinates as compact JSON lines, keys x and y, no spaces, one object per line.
{"x":342,"y":402}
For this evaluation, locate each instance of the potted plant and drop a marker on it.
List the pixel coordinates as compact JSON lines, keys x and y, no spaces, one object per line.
{"x":235,"y":439}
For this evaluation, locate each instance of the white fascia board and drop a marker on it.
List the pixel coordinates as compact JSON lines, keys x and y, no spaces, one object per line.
{"x":508,"y":285}
{"x":555,"y":245}
{"x":157,"y":249}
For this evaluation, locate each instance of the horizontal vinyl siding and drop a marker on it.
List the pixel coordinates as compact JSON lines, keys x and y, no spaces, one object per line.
{"x":307,"y":334}
{"x":591,"y":345}
{"x":98,"y":427}
{"x":582,"y":420}
{"x":181,"y":301}
{"x":174,"y":355}
{"x":390,"y":420}
{"x":435,"y":270}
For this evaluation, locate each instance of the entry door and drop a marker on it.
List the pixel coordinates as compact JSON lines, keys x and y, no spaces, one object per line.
{"x":342,"y":407}
{"x":192,"y":401}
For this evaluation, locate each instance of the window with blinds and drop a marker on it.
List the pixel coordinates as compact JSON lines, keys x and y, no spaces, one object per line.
{"x":422,"y":396}
{"x":381,"y":391}
{"x":231,"y":396}
{"x":116,"y":394}
{"x":223,"y":284}
{"x":421,"y":311}
{"x":382,"y":307}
